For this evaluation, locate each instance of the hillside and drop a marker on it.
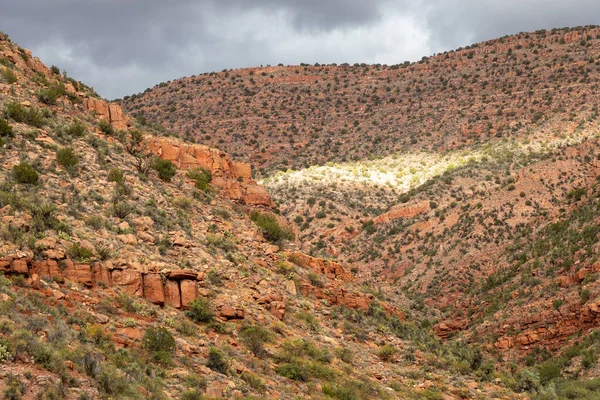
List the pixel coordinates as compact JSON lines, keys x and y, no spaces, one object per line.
{"x":461,"y":189}
{"x":293,"y":117}
{"x":138,"y":265}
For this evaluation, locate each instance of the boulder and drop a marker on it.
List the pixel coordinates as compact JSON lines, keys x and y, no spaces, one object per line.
{"x":19,"y":266}
{"x":129,"y":279}
{"x":153,"y":288}
{"x":172,"y":294}
{"x":189,"y":291}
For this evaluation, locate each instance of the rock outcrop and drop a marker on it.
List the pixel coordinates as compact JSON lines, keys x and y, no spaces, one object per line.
{"x":403,"y":212}
{"x":173,"y":288}
{"x":110,"y":112}
{"x":233,"y":178}
{"x":331,"y":269}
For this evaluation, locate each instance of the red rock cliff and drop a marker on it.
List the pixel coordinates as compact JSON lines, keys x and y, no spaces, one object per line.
{"x":234,"y":178}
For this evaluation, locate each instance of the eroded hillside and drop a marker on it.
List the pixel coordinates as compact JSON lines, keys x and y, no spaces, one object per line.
{"x":461,"y":189}
{"x":140,"y":266}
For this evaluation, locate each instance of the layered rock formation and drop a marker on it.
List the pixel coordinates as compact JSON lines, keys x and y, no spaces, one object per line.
{"x":233,"y":178}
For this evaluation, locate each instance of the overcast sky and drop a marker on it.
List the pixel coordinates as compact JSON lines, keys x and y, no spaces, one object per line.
{"x":122,"y":47}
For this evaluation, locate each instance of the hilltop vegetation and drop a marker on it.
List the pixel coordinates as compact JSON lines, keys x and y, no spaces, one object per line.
{"x":531,"y":85}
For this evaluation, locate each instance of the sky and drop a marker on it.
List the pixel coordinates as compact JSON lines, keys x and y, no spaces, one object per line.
{"x":122,"y":47}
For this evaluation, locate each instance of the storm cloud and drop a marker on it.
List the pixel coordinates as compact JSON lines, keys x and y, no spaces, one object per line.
{"x":121,"y":47}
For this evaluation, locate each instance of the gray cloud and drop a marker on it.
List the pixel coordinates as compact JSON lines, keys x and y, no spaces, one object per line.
{"x":124,"y":46}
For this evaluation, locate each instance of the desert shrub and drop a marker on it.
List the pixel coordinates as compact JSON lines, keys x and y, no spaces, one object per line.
{"x":67,"y":157}
{"x":122,"y":209}
{"x":199,"y":311}
{"x":96,"y":334}
{"x":548,"y":371}
{"x":527,"y":381}
{"x":184,"y":326}
{"x":106,"y":127}
{"x":182,"y":202}
{"x":4,"y":350}
{"x":160,"y":343}
{"x":51,"y":94}
{"x":80,"y":253}
{"x":294,"y":371}
{"x":270,"y":227}
{"x":76,"y":130}
{"x":126,"y":302}
{"x":202,"y":177}
{"x":310,"y":320}
{"x":255,"y":337}
{"x":315,"y":279}
{"x":165,"y":169}
{"x":116,"y":175}
{"x":55,"y":70}
{"x":349,"y":390}
{"x":14,"y":387}
{"x":344,"y":354}
{"x":44,"y":218}
{"x":220,"y":241}
{"x":6,"y":130}
{"x":30,"y":116}
{"x":8,"y":75}
{"x":111,"y":381}
{"x":216,"y":361}
{"x":254,"y":381}
{"x":576,"y":194}
{"x":24,"y":173}
{"x":95,"y":221}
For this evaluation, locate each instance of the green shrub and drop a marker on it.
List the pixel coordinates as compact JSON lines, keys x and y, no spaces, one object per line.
{"x":160,"y":343}
{"x":50,"y":95}
{"x":55,"y":70}
{"x":270,"y":227}
{"x":294,"y":371}
{"x":95,"y":221}
{"x":255,"y":337}
{"x":30,"y":116}
{"x":79,"y":253}
{"x":76,"y":129}
{"x":122,"y":209}
{"x":548,"y":371}
{"x":14,"y":388}
{"x":165,"y":169}
{"x":202,"y":177}
{"x":116,"y":175}
{"x":254,"y":381}
{"x":216,"y":361}
{"x":199,"y":311}
{"x":67,"y":157}
{"x":9,"y":76}
{"x":26,"y":174}
{"x":387,"y":352}
{"x":5,"y":129}
{"x":106,"y":127}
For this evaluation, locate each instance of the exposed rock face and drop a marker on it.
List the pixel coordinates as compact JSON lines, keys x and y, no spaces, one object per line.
{"x":403,"y":212}
{"x":173,"y":288}
{"x":189,"y":291}
{"x":331,"y":269}
{"x":154,"y":288}
{"x":109,"y":112}
{"x":233,"y":178}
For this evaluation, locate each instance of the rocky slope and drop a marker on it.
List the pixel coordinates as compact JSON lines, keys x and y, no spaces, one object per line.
{"x":137,"y":265}
{"x":461,"y":189}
